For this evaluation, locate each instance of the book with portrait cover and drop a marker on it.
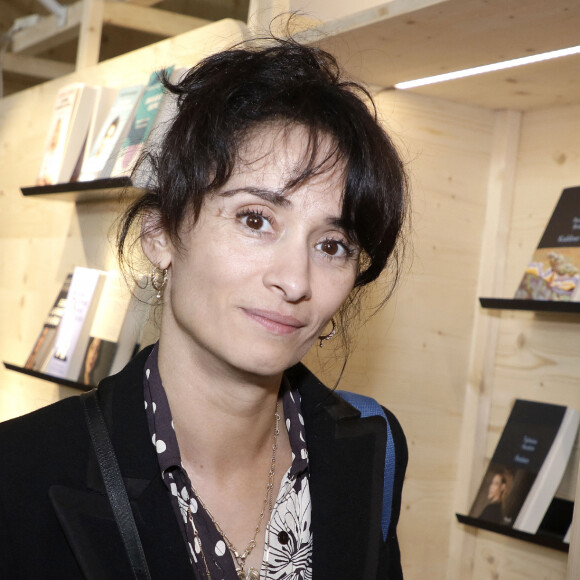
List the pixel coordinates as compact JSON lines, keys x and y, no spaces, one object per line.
{"x":527,"y":466}
{"x":111,"y":134}
{"x":104,"y":333}
{"x":42,"y":348}
{"x":115,"y":331}
{"x":67,"y":133}
{"x":73,"y":331}
{"x":554,"y":271}
{"x":134,"y":322}
{"x":104,"y":99}
{"x":142,"y":123}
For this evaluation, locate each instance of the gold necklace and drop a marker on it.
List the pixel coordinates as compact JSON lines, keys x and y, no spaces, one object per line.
{"x":252,"y":573}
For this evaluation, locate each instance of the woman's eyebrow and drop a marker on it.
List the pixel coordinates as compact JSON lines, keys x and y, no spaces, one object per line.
{"x":273,"y":196}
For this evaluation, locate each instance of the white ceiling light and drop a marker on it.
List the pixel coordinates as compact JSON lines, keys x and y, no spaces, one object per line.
{"x":468,"y":72}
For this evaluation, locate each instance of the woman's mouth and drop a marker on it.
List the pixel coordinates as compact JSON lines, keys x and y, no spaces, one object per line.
{"x":273,"y":321}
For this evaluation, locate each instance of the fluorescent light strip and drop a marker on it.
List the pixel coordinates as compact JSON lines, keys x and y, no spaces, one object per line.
{"x":468,"y":72}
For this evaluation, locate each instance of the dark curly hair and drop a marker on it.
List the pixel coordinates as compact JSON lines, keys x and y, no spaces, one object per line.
{"x":231,"y":93}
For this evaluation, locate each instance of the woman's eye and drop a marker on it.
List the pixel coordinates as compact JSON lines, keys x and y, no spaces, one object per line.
{"x":255,"y":221}
{"x":330,"y":247}
{"x":334,"y":248}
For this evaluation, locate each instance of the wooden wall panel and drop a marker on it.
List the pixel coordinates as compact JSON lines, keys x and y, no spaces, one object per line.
{"x":43,"y":240}
{"x":537,"y":354}
{"x":503,"y":558}
{"x":413,"y":355}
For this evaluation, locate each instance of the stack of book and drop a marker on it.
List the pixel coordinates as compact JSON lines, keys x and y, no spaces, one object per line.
{"x":93,"y":329}
{"x":99,"y":132}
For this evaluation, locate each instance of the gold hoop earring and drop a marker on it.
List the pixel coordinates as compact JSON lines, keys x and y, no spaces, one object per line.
{"x":328,"y":336}
{"x":159,"y":280}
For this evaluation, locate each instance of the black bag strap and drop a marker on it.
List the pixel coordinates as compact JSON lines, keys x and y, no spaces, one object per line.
{"x":114,"y":484}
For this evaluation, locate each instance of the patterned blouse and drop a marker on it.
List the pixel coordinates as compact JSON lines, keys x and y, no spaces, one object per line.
{"x":288,"y":539}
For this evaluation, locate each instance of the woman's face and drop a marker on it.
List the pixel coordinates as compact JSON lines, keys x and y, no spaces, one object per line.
{"x":496,"y":488}
{"x":262,"y":272}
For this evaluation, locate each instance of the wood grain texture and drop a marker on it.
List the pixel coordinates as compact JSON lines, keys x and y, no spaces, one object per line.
{"x":413,"y":355}
{"x":405,"y":40}
{"x":537,"y":354}
{"x":43,"y":240}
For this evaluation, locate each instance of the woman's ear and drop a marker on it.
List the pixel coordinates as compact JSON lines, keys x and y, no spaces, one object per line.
{"x":155,"y":241}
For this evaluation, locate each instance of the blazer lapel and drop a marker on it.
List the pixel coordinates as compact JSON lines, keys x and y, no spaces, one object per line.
{"x":85,"y":513}
{"x":346,"y":493}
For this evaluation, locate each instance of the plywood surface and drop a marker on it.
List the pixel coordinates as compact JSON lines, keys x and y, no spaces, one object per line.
{"x":413,"y":355}
{"x":405,"y":40}
{"x":43,"y":240}
{"x":537,"y":354}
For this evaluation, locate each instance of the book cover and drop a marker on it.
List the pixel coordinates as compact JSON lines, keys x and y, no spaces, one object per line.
{"x":142,"y":123}
{"x":43,"y":346}
{"x":111,"y":134}
{"x":67,"y":134}
{"x":104,"y":99}
{"x":73,"y":332}
{"x":105,"y":330}
{"x":163,"y":120}
{"x":77,"y":133}
{"x":133,"y":323}
{"x":57,"y":135}
{"x":554,"y":271}
{"x":527,"y":465}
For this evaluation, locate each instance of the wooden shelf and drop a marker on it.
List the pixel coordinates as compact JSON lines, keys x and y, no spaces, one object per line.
{"x":50,"y":378}
{"x":83,"y":191}
{"x":540,"y":539}
{"x":530,"y":305}
{"x":404,"y":40}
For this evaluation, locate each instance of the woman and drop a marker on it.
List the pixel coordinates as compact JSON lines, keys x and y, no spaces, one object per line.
{"x":496,"y":495}
{"x":276,"y":198}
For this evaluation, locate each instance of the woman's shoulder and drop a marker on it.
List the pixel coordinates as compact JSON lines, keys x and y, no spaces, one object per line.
{"x":344,"y":404}
{"x":39,"y":445}
{"x":368,"y":407}
{"x":55,"y":421}
{"x":52,"y":416}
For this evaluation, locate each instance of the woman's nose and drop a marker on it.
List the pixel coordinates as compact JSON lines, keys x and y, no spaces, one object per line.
{"x":288,"y":272}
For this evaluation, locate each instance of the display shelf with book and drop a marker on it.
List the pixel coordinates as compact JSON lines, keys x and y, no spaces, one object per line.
{"x":39,"y":375}
{"x":83,"y":191}
{"x":541,"y":539}
{"x":96,"y":324}
{"x":530,"y":305}
{"x":551,"y":279}
{"x":524,"y":492}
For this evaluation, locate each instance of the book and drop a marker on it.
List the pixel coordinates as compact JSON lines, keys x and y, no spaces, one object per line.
{"x":105,"y":149}
{"x":527,"y":466}
{"x":44,"y":343}
{"x":141,"y":126}
{"x":67,"y":133}
{"x":105,"y":329}
{"x":136,"y":317}
{"x":104,"y":99}
{"x":163,"y":121}
{"x":114,"y":333}
{"x":554,"y":271}
{"x":73,"y":331}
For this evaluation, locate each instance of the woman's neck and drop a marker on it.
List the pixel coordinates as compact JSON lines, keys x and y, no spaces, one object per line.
{"x":223,"y":419}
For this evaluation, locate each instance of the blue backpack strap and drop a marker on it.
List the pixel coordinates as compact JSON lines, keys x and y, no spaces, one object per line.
{"x":369,"y":408}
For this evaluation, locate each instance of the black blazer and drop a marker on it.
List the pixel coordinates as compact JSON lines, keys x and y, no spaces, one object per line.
{"x":56,"y":522}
